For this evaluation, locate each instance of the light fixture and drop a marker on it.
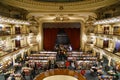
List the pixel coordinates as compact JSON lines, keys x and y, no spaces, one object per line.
{"x":1,"y":25}
{"x":108,"y":21}
{"x":18,"y":38}
{"x":12,"y":21}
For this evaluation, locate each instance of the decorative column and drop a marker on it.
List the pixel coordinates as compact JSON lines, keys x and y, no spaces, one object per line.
{"x":109,"y":61}
{"x":22,"y":54}
{"x":14,"y":57}
{"x":40,"y":36}
{"x":101,"y":55}
{"x":82,"y":36}
{"x":28,"y":51}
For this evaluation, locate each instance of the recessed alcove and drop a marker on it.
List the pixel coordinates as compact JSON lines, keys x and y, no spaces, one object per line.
{"x":61,"y":33}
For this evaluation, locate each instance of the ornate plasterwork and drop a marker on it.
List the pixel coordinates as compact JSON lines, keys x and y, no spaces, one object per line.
{"x":61,"y":17}
{"x":32,"y":5}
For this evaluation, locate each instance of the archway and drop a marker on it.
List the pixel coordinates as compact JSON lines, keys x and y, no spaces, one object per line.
{"x":50,"y":31}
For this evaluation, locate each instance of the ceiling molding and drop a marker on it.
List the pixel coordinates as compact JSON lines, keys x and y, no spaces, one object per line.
{"x":61,"y":13}
{"x":32,"y":5}
{"x":69,"y":16}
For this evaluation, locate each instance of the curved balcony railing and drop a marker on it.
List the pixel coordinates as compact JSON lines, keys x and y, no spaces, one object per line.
{"x":70,"y":3}
{"x":54,"y":72}
{"x":65,"y":6}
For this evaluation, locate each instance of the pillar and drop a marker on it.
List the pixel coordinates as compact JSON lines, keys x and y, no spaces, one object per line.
{"x":82,"y":36}
{"x":94,"y":52}
{"x":40,"y":37}
{"x":109,"y":61}
{"x":22,"y":54}
{"x":28,"y":51}
{"x":14,"y":57}
{"x":101,"y":55}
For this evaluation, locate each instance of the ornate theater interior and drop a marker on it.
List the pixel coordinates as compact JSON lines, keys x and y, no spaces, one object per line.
{"x":59,"y":39}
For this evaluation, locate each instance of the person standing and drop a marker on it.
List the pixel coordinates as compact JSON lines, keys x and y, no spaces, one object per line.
{"x":23,"y":75}
{"x":72,"y":65}
{"x":67,"y":64}
{"x":116,"y":76}
{"x":82,"y":72}
{"x":70,"y":48}
{"x":13,"y":77}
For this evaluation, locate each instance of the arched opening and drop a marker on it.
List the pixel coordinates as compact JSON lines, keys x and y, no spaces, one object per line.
{"x":72,"y":31}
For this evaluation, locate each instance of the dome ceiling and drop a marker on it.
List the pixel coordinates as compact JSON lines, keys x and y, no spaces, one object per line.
{"x":58,"y":5}
{"x":60,"y":9}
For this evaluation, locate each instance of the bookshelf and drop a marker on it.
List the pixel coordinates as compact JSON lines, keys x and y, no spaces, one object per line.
{"x":81,"y":58}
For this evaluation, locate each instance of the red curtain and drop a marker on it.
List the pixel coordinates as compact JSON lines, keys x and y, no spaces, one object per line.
{"x":74,"y":36}
{"x":50,"y":35}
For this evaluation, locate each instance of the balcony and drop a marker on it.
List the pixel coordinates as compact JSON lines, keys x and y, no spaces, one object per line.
{"x":4,"y":33}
